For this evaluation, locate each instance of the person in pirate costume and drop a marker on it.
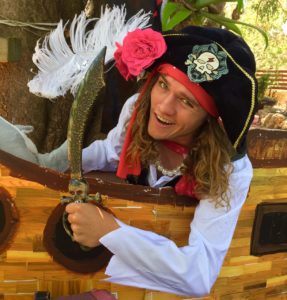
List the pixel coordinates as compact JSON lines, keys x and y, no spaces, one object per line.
{"x":186,"y":128}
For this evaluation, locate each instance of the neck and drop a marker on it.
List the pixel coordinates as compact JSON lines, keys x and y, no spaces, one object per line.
{"x":169,"y":157}
{"x":175,"y":147}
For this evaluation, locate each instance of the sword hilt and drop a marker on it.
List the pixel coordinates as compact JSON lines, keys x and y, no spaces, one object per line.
{"x":78,"y":189}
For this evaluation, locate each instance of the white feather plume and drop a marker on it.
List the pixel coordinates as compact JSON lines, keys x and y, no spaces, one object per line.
{"x":62,"y":67}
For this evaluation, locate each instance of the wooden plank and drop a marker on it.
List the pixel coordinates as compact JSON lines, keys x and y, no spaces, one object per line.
{"x":278,"y":78}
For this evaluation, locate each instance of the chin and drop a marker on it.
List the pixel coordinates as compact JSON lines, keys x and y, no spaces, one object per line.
{"x":154,"y":135}
{"x":156,"y":132}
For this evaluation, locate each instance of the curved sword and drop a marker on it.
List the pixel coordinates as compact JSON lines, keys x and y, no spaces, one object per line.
{"x":87,"y":96}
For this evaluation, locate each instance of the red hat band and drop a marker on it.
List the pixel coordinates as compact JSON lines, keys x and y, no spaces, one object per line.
{"x":202,"y":97}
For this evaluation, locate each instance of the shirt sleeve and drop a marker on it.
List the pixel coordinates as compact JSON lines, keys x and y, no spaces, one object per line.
{"x":147,"y":260}
{"x":104,"y":154}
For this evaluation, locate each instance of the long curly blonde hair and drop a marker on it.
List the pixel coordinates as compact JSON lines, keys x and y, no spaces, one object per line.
{"x":209,"y":159}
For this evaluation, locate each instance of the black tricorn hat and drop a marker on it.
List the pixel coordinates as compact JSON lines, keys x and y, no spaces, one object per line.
{"x":223,"y":64}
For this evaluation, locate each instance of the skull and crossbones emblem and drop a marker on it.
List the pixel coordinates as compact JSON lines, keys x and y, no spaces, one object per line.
{"x":206,"y":63}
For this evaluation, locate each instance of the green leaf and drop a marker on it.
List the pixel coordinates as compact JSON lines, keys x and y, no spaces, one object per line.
{"x":203,"y":3}
{"x":229,"y":21}
{"x":218,"y":19}
{"x":169,"y":9}
{"x":174,"y":14}
{"x":177,"y":18}
{"x":233,"y":27}
{"x":197,"y":19}
{"x":240,"y":5}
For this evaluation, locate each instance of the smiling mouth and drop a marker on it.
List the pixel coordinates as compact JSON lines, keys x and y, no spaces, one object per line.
{"x":163,"y":121}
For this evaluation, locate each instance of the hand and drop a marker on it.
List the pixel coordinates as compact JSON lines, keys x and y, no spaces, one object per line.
{"x":89,"y":223}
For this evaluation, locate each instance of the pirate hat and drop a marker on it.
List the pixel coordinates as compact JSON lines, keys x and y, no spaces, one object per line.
{"x":223,"y":64}
{"x":216,"y":63}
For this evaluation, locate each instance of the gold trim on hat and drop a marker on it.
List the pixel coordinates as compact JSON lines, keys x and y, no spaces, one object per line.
{"x":252,"y":95}
{"x":175,"y":34}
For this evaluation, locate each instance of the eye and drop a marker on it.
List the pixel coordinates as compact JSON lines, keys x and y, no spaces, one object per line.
{"x":186,"y":102}
{"x":162,"y":84}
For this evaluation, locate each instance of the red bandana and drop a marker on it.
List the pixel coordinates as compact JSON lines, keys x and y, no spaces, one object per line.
{"x":202,"y":97}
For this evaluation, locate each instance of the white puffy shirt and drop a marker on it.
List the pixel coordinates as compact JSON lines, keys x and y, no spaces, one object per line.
{"x":148,"y":260}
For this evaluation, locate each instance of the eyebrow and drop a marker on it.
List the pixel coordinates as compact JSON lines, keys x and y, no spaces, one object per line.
{"x":192,"y":100}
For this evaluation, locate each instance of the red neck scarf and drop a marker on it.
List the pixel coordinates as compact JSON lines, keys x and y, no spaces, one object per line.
{"x":185,"y":185}
{"x":175,"y":147}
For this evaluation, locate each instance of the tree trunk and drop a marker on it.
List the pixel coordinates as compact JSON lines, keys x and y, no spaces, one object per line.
{"x":17,"y":105}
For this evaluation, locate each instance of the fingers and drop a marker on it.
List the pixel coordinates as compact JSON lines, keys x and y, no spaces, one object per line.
{"x":82,"y":238}
{"x":72,"y":207}
{"x":79,"y":212}
{"x":78,"y":207}
{"x":76,"y":229}
{"x":78,"y":235}
{"x":73,"y":218}
{"x":89,"y":223}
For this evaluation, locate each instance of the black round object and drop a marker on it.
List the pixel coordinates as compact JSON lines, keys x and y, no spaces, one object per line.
{"x":42,"y":295}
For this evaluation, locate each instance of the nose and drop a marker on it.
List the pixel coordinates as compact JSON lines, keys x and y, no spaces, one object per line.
{"x":167,"y":105}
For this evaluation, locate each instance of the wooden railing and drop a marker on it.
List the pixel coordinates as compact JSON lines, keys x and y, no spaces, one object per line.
{"x":278,"y":78}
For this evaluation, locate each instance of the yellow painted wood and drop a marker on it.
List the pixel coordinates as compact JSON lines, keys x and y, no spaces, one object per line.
{"x":275,"y":281}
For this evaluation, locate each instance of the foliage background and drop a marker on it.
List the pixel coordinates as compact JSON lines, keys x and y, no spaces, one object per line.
{"x":271,"y":16}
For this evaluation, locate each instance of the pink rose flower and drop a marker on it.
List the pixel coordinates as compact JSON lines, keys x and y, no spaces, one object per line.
{"x":139,"y":51}
{"x":122,"y":67}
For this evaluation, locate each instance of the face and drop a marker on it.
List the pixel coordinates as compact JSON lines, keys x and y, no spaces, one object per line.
{"x":175,"y":115}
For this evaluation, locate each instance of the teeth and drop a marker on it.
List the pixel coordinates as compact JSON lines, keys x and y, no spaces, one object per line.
{"x":164,"y":120}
